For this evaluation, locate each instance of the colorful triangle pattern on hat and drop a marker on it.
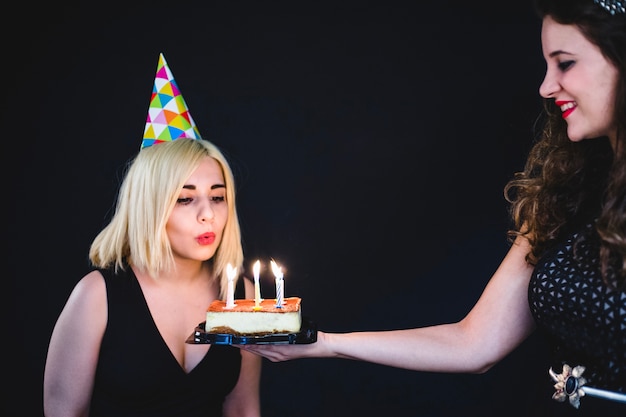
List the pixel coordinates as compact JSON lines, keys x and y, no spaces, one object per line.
{"x":168,"y":116}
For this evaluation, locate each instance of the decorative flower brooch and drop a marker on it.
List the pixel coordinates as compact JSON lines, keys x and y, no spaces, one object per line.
{"x":569,"y":384}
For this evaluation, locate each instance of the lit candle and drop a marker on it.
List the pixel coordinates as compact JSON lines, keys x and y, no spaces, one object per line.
{"x":280,"y":285}
{"x":257,"y":285}
{"x":230,"y":292}
{"x":280,"y":291}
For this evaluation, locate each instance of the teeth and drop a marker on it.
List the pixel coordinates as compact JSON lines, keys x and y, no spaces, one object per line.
{"x":568,"y":106}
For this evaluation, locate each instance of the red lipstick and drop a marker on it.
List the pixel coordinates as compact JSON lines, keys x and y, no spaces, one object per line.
{"x":206,"y":239}
{"x":567,"y":107}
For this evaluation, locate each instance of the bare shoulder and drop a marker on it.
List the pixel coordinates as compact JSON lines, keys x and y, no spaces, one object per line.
{"x":88,"y":298}
{"x":91,"y":286}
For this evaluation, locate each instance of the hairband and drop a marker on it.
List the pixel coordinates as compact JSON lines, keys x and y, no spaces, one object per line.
{"x":612,"y":6}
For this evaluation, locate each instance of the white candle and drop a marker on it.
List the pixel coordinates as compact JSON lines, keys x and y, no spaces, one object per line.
{"x":280,"y":285}
{"x":257,"y":285}
{"x":230,"y":292}
{"x":280,"y":291}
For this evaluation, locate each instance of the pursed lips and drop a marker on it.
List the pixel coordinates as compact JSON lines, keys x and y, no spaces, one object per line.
{"x":206,"y":238}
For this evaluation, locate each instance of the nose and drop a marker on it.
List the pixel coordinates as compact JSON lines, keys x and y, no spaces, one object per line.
{"x":549,"y":86}
{"x":206,"y":212}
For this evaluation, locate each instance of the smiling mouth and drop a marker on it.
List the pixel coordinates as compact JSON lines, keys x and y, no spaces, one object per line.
{"x":567,"y":108}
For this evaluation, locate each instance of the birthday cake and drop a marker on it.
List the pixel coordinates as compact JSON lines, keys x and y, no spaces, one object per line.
{"x":246,"y":318}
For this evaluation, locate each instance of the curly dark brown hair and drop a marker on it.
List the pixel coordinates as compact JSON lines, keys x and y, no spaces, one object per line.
{"x":565,"y":183}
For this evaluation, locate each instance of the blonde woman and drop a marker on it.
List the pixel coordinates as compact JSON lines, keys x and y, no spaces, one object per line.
{"x":119,"y":345}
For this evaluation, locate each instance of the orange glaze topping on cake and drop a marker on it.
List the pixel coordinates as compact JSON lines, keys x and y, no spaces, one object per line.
{"x":290,"y":305}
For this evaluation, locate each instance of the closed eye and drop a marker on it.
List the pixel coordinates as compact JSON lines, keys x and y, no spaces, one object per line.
{"x":565,"y":65}
{"x":184,"y":201}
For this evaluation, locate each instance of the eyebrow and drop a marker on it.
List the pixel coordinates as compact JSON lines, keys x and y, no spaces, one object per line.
{"x":193,"y":187}
{"x":559,"y":52}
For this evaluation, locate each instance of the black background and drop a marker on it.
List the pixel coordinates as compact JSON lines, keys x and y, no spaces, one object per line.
{"x":370,"y":142}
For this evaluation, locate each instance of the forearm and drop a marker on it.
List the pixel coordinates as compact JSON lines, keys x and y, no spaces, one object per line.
{"x":442,"y":348}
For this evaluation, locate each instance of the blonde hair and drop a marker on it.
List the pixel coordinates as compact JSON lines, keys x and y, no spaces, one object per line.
{"x":136,"y":233}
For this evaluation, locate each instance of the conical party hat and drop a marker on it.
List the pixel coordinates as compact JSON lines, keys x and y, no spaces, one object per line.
{"x":168,"y":116}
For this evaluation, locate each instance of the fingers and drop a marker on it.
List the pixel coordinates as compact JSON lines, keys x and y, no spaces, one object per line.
{"x":269,"y":352}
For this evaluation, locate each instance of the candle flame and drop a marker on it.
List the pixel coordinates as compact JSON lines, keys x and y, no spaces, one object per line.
{"x":276,"y":270}
{"x":256,"y":268}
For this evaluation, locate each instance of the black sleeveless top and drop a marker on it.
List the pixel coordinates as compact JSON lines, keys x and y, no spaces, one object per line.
{"x":584,"y":321}
{"x":137,"y":375}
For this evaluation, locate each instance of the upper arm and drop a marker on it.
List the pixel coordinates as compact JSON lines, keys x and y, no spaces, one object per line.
{"x":502,"y":318}
{"x":244,"y":399}
{"x":73,"y":349}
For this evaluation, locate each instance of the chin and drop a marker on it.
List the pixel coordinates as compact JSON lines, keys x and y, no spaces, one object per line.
{"x":576,"y":137}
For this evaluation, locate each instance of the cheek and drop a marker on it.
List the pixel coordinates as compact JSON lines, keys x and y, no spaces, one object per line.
{"x":601,"y":110}
{"x":605,"y":93}
{"x":175,"y":224}
{"x":220,"y":219}
{"x":609,"y":103}
{"x":172,"y":222}
{"x":172,"y":232}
